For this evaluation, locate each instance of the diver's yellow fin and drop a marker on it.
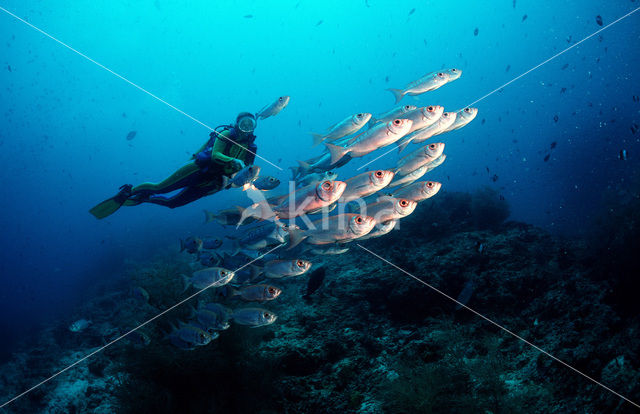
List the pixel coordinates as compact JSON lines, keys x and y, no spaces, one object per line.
{"x":107,"y":207}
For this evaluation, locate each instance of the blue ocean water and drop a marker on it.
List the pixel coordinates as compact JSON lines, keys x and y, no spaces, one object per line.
{"x":65,"y":120}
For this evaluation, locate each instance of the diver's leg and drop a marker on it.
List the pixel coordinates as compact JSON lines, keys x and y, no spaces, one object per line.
{"x":186,"y":196}
{"x":185,"y":176}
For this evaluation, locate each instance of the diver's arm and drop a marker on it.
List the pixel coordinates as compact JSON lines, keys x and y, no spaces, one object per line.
{"x":230,"y":164}
{"x":205,"y":145}
{"x":217,"y":154}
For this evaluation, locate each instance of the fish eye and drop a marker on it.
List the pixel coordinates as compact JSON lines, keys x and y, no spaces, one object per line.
{"x":445,"y":115}
{"x":467,"y":110}
{"x":266,"y":314}
{"x":300,"y":263}
{"x":223,"y":273}
{"x":396,"y":121}
{"x":404,"y":203}
{"x":430,"y":184}
{"x":379,"y":173}
{"x":359,"y":220}
{"x":430,"y":108}
{"x":440,"y":74}
{"x":407,"y":107}
{"x":271,"y":290}
{"x":281,"y":98}
{"x":432,"y":146}
{"x":454,"y":70}
{"x":360,"y":115}
{"x":326,"y":185}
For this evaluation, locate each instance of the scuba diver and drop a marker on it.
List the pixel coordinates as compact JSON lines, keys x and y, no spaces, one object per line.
{"x":229,"y":149}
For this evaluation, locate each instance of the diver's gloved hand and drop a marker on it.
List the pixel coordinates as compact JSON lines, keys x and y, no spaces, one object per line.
{"x":237,"y":164}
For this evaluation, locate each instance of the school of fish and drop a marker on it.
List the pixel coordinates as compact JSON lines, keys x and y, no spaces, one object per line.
{"x":271,"y":238}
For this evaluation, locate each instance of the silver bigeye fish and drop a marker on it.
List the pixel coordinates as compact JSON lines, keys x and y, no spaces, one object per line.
{"x":261,"y":236}
{"x":266,"y":183}
{"x":365,"y":184}
{"x":285,"y":268}
{"x":335,"y":229}
{"x":419,"y":157}
{"x":402,"y":180}
{"x":436,"y":163}
{"x":425,"y":116}
{"x":320,"y":164}
{"x":245,"y":178}
{"x":80,"y":325}
{"x":395,"y":113}
{"x":379,"y":136}
{"x":389,"y":208}
{"x":463,"y":117}
{"x":314,"y":178}
{"x":331,"y":250}
{"x":191,"y":244}
{"x":453,"y":74}
{"x":274,"y":108}
{"x":209,"y":320}
{"x":230,"y":216}
{"x":347,"y":126}
{"x":428,"y":82}
{"x":419,"y":191}
{"x":221,"y":311}
{"x":310,"y":198}
{"x":209,"y":277}
{"x":254,"y":317}
{"x":187,"y":337}
{"x":259,"y":293}
{"x":445,"y":121}
{"x":380,"y":230}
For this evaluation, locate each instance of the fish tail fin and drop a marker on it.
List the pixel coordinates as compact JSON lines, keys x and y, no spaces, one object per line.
{"x":304,"y":166}
{"x":294,"y":172}
{"x":397,"y":93}
{"x":245,"y":213}
{"x":192,"y":311}
{"x":235,"y":247}
{"x":403,"y":144}
{"x":295,"y":237}
{"x":226,"y":184}
{"x":317,"y":138}
{"x":337,"y":152}
{"x":256,"y":271}
{"x":186,"y":282}
{"x":209,"y":216}
{"x":261,"y":211}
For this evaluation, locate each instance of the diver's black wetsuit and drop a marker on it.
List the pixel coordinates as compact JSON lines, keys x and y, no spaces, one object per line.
{"x":201,"y":177}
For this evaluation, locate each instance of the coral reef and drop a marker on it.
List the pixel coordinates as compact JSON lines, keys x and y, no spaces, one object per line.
{"x":371,"y":339}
